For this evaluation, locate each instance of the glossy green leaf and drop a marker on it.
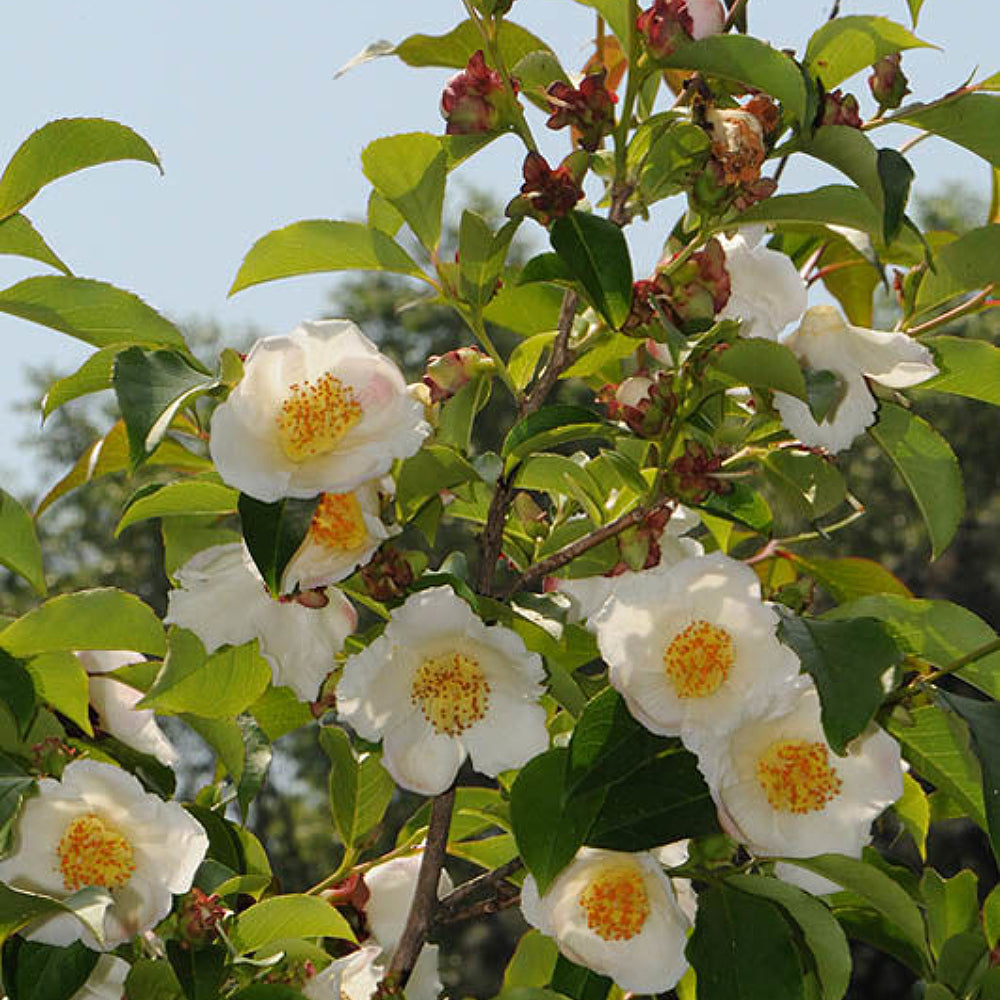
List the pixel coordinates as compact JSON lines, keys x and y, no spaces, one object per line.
{"x":833,"y":204}
{"x":19,"y":238}
{"x":551,"y":425}
{"x":967,"y":367}
{"x":17,"y":690}
{"x":853,"y":153}
{"x":968,"y":120}
{"x":763,"y":363}
{"x":15,"y":786}
{"x":804,"y":485}
{"x":20,"y":550}
{"x":967,"y":264}
{"x":897,"y":176}
{"x":851,"y":577}
{"x":321,"y":245}
{"x":432,"y":469}
{"x":91,"y":311}
{"x":94,"y":375}
{"x":292,"y":916}
{"x":279,"y":712}
{"x":846,"y":659}
{"x":60,"y":681}
{"x":273,"y":533}
{"x":845,"y":45}
{"x":532,"y":963}
{"x":410,"y":171}
{"x":952,"y":905}
{"x":928,"y":467}
{"x":33,"y":971}
{"x":103,"y":618}
{"x":456,"y":47}
{"x":744,"y":948}
{"x":63,"y":147}
{"x":481,"y":255}
{"x":741,"y":504}
{"x":597,"y":255}
{"x":183,"y":497}
{"x":152,"y":387}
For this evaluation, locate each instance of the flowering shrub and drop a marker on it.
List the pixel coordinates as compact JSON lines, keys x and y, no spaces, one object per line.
{"x":654,"y":713}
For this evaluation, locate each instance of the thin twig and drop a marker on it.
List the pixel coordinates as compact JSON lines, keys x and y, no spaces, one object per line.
{"x":962,"y":309}
{"x":921,"y":680}
{"x":484,"y":909}
{"x":560,"y":358}
{"x":425,"y":900}
{"x":734,"y":12}
{"x":485,"y":881}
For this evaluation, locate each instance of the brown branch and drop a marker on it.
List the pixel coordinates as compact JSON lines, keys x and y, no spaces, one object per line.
{"x":425,"y":897}
{"x":567,"y":554}
{"x":485,"y":881}
{"x":486,"y":908}
{"x":560,"y":359}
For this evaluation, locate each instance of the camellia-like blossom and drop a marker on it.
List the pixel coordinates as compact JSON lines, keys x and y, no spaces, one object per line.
{"x":223,"y":600}
{"x":344,"y":533}
{"x":780,"y":790}
{"x":320,"y":410}
{"x":693,"y":649}
{"x":115,"y":702}
{"x":437,"y":685}
{"x":826,"y":341}
{"x":767,"y":293}
{"x":106,"y":981}
{"x":98,"y":827}
{"x":616,"y":914}
{"x":353,"y":977}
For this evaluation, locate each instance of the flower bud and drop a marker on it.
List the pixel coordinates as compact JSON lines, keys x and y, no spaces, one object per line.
{"x":589,"y":109}
{"x":839,"y":109}
{"x":645,"y":404}
{"x":198,"y":918}
{"x":447,"y":373}
{"x":694,"y":474}
{"x":699,"y":288}
{"x":388,"y":574}
{"x":888,"y":82}
{"x":669,"y":24}
{"x":549,"y":193}
{"x":470,"y":102}
{"x":351,"y":892}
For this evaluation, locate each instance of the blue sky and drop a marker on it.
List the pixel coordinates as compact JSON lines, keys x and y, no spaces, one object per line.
{"x":240,"y":100}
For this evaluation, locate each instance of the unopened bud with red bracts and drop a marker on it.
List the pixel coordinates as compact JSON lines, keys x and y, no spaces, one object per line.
{"x":888,"y":82}
{"x":694,"y":474}
{"x":669,"y":24}
{"x":589,"y":109}
{"x":351,"y":892}
{"x":471,"y":99}
{"x":646,"y":405}
{"x":699,"y":288}
{"x":388,"y":575}
{"x":198,"y":918}
{"x":839,"y":109}
{"x":547,"y":194}
{"x":447,"y":373}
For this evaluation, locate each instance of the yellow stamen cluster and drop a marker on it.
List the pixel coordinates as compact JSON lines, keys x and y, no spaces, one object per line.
{"x":797,"y":777}
{"x":315,"y":416}
{"x":699,"y":659}
{"x":338,"y":523}
{"x":616,"y":903}
{"x":451,"y":691}
{"x":93,"y":853}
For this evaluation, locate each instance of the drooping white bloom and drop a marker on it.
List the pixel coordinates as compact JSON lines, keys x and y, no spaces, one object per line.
{"x":692,"y":649}
{"x":115,"y":702}
{"x":590,"y":593}
{"x":222,"y":599}
{"x":616,"y":914}
{"x":106,"y":982}
{"x":318,"y":410}
{"x":438,"y":685}
{"x":780,"y":790}
{"x":826,"y":341}
{"x":767,"y":293}
{"x":98,"y":827}
{"x":344,"y":533}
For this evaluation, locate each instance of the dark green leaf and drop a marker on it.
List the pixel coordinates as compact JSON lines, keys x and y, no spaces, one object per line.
{"x":481,"y":255}
{"x":572,"y":980}
{"x":807,"y":485}
{"x":763,"y":363}
{"x":741,"y":504}
{"x":15,"y":785}
{"x":273,"y":533}
{"x":834,"y":204}
{"x":432,"y":469}
{"x":897,"y":176}
{"x":550,"y":425}
{"x":952,"y":905}
{"x":19,"y":238}
{"x":825,"y":391}
{"x":34,"y":971}
{"x":17,"y":690}
{"x":20,"y":551}
{"x":200,"y":971}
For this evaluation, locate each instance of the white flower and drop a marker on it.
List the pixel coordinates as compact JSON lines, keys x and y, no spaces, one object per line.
{"x":767,"y":292}
{"x":826,"y":341}
{"x":98,"y":827}
{"x":673,"y":856}
{"x":319,"y":410}
{"x":223,"y":600}
{"x":344,"y":533}
{"x":692,"y":649}
{"x":590,"y":593}
{"x":353,"y":977}
{"x":391,"y":886}
{"x":616,"y":914}
{"x":437,"y":685}
{"x":781,"y":791}
{"x":114,"y":703}
{"x":106,"y":982}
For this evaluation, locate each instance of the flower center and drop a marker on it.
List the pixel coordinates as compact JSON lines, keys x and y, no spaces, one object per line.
{"x":338,"y":523}
{"x":93,"y":853}
{"x":699,"y":659}
{"x":315,"y":416}
{"x":797,"y":777}
{"x":452,"y":692}
{"x":616,"y":903}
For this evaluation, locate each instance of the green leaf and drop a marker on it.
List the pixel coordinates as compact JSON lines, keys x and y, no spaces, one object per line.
{"x":595,"y":251}
{"x":967,"y":367}
{"x":983,"y":720}
{"x":808,"y":485}
{"x":846,"y":659}
{"x":274,"y":532}
{"x":151,"y":387}
{"x":60,"y":680}
{"x":532,"y":963}
{"x":199,"y":971}
{"x":963,"y":961}
{"x":552,"y":425}
{"x":897,"y":176}
{"x":410,"y":171}
{"x":743,"y":948}
{"x":94,"y":375}
{"x":458,"y":414}
{"x":17,"y":691}
{"x":424,"y":475}
{"x":822,"y":933}
{"x":257,"y":756}
{"x":91,"y":311}
{"x":874,"y":887}
{"x":559,"y":476}
{"x":572,"y":980}
{"x":746,"y":60}
{"x":834,"y":204}
{"x":763,"y":363}
{"x":952,"y":905}
{"x":343,"y":781}
{"x":969,"y":263}
{"x":991,"y":917}
{"x":152,"y":980}
{"x":292,"y":916}
{"x":846,"y":45}
{"x":928,"y":467}
{"x":63,"y":147}
{"x":614,"y":13}
{"x":741,"y":504}
{"x":279,"y":712}
{"x":34,"y":971}
{"x":481,"y":256}
{"x":320,"y":245}
{"x":181,"y":498}
{"x":456,"y":47}
{"x":104,"y":618}
{"x":914,"y":6}
{"x":851,"y":577}
{"x":914,"y":812}
{"x":15,"y":786}
{"x":19,"y":238}
{"x":20,"y":550}
{"x":525,"y":357}
{"x":968,"y":120}
{"x":267,"y":991}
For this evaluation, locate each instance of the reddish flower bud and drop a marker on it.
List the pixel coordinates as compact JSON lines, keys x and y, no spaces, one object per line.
{"x":388,"y":574}
{"x":470,"y":101}
{"x":549,"y":193}
{"x":888,"y":82}
{"x":589,"y":109}
{"x":645,"y":404}
{"x":839,"y":109}
{"x":700,"y":287}
{"x":668,"y":24}
{"x":351,"y":892}
{"x":694,"y":474}
{"x":447,"y":373}
{"x":198,"y":918}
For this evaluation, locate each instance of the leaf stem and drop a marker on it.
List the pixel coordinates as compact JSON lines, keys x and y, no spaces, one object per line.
{"x":963,"y":309}
{"x":922,"y":680}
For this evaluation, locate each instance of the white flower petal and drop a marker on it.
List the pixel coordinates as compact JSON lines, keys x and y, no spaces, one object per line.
{"x":114,"y":703}
{"x":353,"y":977}
{"x":106,"y":981}
{"x":392,"y":885}
{"x":892,"y":358}
{"x":420,"y":759}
